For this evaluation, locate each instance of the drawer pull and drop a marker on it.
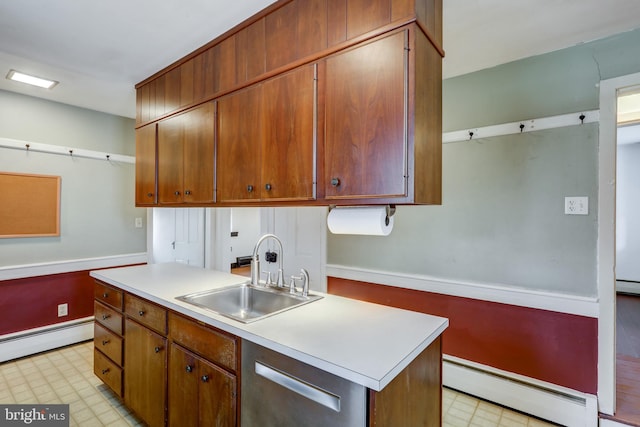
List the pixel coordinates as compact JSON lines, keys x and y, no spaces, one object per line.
{"x":189,"y":368}
{"x":157,"y":349}
{"x":104,"y":371}
{"x":141,"y":312}
{"x":105,"y":316}
{"x":335,"y":182}
{"x":105,"y":295}
{"x":205,"y":378}
{"x":105,"y":342}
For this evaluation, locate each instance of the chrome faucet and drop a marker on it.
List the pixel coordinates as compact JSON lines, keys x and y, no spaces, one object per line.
{"x":255,"y":263}
{"x":304,"y":276}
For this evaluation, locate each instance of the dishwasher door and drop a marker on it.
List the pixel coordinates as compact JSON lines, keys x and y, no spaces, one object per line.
{"x":280,"y":391}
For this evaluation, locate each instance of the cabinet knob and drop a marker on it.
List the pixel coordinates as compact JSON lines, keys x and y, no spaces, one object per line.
{"x":149,"y":194}
{"x":249,"y":188}
{"x":105,"y":295}
{"x":188,"y":192}
{"x":105,"y":342}
{"x":157,"y":349}
{"x":335,"y":181}
{"x":105,"y":316}
{"x":267,"y":187}
{"x":205,"y":378}
{"x":189,"y":368}
{"x":104,"y":371}
{"x":141,"y":312}
{"x":177,"y":193}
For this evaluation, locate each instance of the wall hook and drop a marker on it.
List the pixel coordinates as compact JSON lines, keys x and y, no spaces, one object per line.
{"x":521,"y":127}
{"x":27,"y":145}
{"x":582,"y":117}
{"x":470,"y":135}
{"x":71,"y":153}
{"x":108,"y":157}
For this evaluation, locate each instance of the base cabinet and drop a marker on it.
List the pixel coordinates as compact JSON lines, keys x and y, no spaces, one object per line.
{"x":145,"y":373}
{"x":200,"y":393}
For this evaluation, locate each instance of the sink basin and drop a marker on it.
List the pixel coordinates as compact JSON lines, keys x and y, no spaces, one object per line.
{"x":247,"y":303}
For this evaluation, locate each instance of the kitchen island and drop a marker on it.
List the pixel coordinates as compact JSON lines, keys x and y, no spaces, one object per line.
{"x":367,"y":344}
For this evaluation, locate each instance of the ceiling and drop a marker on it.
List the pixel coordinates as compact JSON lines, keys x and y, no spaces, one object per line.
{"x":98,"y":50}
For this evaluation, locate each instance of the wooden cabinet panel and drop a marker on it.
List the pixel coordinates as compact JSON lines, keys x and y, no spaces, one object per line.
{"x":281,"y":31}
{"x":217,"y":396}
{"x":108,"y":317}
{"x":250,"y":51}
{"x":145,"y":373}
{"x":187,"y":82}
{"x":108,"y":295}
{"x":365,"y":113}
{"x":239,"y":139}
{"x":146,"y":313}
{"x":210,"y":344}
{"x":172,"y":89}
{"x":311,"y":36}
{"x":146,"y":191}
{"x":186,"y":157}
{"x":183,"y":388}
{"x":366,"y":15}
{"x":288,"y":149}
{"x":336,"y":21}
{"x":224,"y":71}
{"x":108,"y":343}
{"x":108,"y":372}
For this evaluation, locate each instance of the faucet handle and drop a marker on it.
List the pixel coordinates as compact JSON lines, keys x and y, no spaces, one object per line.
{"x":269,"y":281}
{"x":292,"y":284}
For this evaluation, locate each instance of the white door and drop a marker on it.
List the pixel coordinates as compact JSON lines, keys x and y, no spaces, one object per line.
{"x":178,"y":235}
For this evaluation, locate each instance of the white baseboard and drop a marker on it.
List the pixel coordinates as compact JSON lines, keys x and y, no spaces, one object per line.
{"x":32,"y":341}
{"x":538,"y":398}
{"x":611,"y":423}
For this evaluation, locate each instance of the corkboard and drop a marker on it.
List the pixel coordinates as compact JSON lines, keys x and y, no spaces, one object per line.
{"x":29,"y":205}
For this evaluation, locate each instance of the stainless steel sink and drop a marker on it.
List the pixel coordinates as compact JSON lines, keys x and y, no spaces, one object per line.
{"x":247,"y":303}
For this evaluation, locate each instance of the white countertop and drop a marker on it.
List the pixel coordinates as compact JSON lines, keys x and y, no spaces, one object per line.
{"x":368,"y":344}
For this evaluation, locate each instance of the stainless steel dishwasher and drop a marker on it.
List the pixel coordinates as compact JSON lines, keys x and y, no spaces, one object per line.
{"x":280,"y":391}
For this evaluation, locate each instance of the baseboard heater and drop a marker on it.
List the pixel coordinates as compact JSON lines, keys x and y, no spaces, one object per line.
{"x":538,"y":398}
{"x":37,"y":340}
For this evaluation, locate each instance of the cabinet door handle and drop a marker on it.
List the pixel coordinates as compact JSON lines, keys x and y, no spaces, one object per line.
{"x":157,"y":349}
{"x":177,"y":193}
{"x":249,"y":188}
{"x":105,"y":295}
{"x":105,"y":316}
{"x":335,"y":182}
{"x":188,"y":192}
{"x":189,"y":368}
{"x":205,"y":378}
{"x":104,"y":371}
{"x":105,"y":342}
{"x":141,"y":312}
{"x":149,"y":194}
{"x":267,"y":187}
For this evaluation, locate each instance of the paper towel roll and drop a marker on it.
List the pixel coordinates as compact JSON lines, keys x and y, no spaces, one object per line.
{"x":365,"y":220}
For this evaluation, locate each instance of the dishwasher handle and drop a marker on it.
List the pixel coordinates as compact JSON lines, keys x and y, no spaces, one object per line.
{"x":303,"y":388}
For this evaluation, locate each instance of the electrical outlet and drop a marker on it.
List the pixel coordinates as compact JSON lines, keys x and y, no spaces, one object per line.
{"x":576,"y":206}
{"x":63,"y":310}
{"x":138,"y":222}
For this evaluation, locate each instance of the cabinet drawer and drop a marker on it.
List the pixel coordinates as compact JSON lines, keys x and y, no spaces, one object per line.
{"x":146,"y":313}
{"x":108,"y":295}
{"x":108,"y":343}
{"x":108,"y":317}
{"x":209,"y":343}
{"x":108,"y":372}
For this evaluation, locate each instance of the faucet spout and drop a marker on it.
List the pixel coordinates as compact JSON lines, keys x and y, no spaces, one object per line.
{"x":255,"y":262}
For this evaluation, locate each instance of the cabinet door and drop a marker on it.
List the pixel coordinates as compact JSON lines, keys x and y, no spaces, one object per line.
{"x":288,"y":163}
{"x":145,"y":373}
{"x":183,"y":388}
{"x":198,"y":146}
{"x":146,"y":165}
{"x":217,"y":396}
{"x":170,"y":160}
{"x":239,"y":139}
{"x":366,"y":120}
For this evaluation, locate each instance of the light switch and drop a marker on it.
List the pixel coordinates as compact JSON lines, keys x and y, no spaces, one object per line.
{"x":138,"y":222}
{"x":576,"y":206}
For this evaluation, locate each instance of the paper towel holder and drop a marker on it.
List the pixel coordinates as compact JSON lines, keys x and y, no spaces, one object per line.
{"x":391,"y":210}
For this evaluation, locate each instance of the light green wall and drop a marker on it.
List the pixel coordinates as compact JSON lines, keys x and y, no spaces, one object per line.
{"x":97,"y":198}
{"x":502,"y":218}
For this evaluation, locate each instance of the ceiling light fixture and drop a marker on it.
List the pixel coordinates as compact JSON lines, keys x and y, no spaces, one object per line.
{"x":17,"y":76}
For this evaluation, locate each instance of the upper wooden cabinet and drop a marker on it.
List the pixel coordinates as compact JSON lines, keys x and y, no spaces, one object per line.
{"x":186,"y":157}
{"x":316,"y":102}
{"x":265,"y":136}
{"x":146,"y":187}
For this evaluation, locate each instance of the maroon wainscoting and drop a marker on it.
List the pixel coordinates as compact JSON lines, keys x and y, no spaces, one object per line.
{"x":555,"y":347}
{"x":33,"y":301}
